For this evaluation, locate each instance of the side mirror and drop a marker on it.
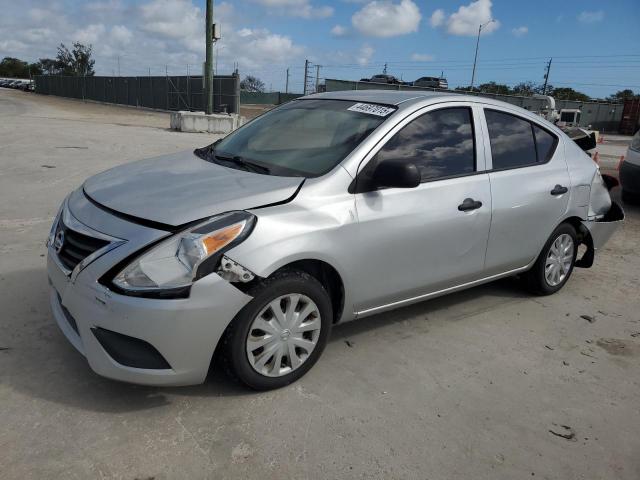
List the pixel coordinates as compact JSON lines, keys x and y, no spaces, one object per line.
{"x":396,"y":174}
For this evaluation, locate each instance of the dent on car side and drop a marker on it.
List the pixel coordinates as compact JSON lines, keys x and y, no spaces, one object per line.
{"x":320,"y":224}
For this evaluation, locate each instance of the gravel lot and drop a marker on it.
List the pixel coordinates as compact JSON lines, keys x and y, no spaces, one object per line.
{"x":472,"y":385}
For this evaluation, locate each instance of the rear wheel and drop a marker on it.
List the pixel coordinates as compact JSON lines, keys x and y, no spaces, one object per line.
{"x":555,"y":263}
{"x":281,"y":333}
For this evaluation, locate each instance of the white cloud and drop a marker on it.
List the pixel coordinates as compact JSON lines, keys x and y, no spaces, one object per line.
{"x":297,"y":8}
{"x":90,"y":34}
{"x":147,"y":36}
{"x":175,"y":19}
{"x":520,"y":31}
{"x":591,"y":17}
{"x":339,"y":31}
{"x":466,"y":20}
{"x":364,"y":55}
{"x":422,"y":57}
{"x":12,"y":46}
{"x":253,"y":48}
{"x":121,"y":35}
{"x":437,"y":18}
{"x":106,"y":7}
{"x":383,"y":18}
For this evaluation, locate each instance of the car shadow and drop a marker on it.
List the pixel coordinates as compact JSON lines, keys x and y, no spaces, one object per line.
{"x":36,"y":360}
{"x":498,"y":291}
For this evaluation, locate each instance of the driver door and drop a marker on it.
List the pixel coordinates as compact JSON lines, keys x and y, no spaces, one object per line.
{"x":416,"y":241}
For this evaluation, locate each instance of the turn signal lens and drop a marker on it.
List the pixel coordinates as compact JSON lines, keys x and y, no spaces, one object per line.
{"x":222,"y":238}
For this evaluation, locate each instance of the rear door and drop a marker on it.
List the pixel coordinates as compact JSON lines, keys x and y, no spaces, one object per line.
{"x":529,"y":188}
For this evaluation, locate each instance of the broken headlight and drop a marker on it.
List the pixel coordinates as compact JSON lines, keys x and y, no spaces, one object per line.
{"x":185,"y":257}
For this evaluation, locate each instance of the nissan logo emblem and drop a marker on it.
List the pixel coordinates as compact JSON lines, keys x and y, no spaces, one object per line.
{"x":58,"y":242}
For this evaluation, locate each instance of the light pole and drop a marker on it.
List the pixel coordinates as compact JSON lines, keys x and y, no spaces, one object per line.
{"x":208,"y":64}
{"x":475,"y":59}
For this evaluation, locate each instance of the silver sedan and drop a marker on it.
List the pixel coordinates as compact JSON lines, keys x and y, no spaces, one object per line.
{"x":329,"y":208}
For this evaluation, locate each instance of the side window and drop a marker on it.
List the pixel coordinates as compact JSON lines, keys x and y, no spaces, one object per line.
{"x":546,"y":143}
{"x":512,"y":142}
{"x":440,"y":143}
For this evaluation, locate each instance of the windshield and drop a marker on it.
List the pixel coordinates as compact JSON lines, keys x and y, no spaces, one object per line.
{"x":302,"y":138}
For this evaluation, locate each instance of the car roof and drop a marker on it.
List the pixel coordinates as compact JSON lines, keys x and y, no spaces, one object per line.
{"x":387,"y":97}
{"x":407,"y":98}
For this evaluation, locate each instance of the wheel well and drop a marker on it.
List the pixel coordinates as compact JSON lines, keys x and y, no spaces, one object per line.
{"x":584,"y":238}
{"x":328,"y":277}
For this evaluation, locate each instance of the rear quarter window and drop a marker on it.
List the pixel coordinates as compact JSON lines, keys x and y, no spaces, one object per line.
{"x":517,"y":142}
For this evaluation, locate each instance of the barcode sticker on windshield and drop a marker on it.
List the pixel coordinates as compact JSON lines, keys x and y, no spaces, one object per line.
{"x":371,"y":109}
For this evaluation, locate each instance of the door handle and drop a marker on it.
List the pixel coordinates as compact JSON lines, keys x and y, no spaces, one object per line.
{"x":559,"y":190}
{"x":469,"y":204}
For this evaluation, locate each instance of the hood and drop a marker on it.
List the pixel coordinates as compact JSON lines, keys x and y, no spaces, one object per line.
{"x":180,"y":188}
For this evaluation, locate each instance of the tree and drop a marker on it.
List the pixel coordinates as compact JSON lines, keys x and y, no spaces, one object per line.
{"x":77,"y":62}
{"x":567,"y":93}
{"x":14,"y":67}
{"x":493,"y":87}
{"x":49,"y":66}
{"x":622,"y":95}
{"x":252,"y":84}
{"x":525,"y":88}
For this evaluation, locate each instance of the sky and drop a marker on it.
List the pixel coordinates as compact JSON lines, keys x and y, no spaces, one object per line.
{"x":595,"y":45}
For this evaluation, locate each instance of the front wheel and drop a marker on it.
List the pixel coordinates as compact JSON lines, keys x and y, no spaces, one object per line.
{"x":555,"y":263}
{"x":278,"y":336}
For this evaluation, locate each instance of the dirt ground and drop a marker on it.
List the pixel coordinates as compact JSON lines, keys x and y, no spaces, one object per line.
{"x":490,"y":383}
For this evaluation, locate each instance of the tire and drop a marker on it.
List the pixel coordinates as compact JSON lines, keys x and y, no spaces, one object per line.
{"x":282,"y":290}
{"x":536,"y":279}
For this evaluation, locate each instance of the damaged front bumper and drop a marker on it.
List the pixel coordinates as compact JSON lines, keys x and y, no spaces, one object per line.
{"x":595,"y":233}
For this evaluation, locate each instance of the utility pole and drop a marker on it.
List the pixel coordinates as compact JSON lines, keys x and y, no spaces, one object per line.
{"x":306,"y":74}
{"x":317,"y":77}
{"x":286,"y":85}
{"x":118,"y":65}
{"x":208,"y":64}
{"x":475,"y":59}
{"x":546,"y":77}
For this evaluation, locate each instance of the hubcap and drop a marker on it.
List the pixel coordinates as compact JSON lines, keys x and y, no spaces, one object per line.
{"x":559,"y":260}
{"x":283,"y":335}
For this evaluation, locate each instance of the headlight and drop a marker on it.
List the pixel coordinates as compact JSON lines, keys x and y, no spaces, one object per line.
{"x":54,"y":225}
{"x":187,"y":256}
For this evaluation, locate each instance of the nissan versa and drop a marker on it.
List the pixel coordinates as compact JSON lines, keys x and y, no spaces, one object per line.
{"x":329,"y":208}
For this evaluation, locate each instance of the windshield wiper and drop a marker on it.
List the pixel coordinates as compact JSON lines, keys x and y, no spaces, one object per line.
{"x":243,"y":162}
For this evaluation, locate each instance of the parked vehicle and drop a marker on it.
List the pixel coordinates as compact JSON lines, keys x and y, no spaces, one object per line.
{"x":329,"y":208}
{"x":630,"y":171}
{"x":383,"y":78}
{"x":433,"y":82}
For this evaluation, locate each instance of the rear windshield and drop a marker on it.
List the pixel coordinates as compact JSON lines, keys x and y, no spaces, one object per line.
{"x":304,"y":137}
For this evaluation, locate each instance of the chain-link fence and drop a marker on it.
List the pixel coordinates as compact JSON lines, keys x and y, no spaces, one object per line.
{"x":158,"y":92}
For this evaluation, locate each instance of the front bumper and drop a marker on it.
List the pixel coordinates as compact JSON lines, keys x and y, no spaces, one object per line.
{"x":185,"y":332}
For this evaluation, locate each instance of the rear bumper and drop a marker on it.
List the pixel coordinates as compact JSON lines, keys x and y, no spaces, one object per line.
{"x":599,"y":232}
{"x":630,"y":177}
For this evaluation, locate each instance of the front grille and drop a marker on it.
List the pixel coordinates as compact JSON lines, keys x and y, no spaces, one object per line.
{"x":75,"y":246}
